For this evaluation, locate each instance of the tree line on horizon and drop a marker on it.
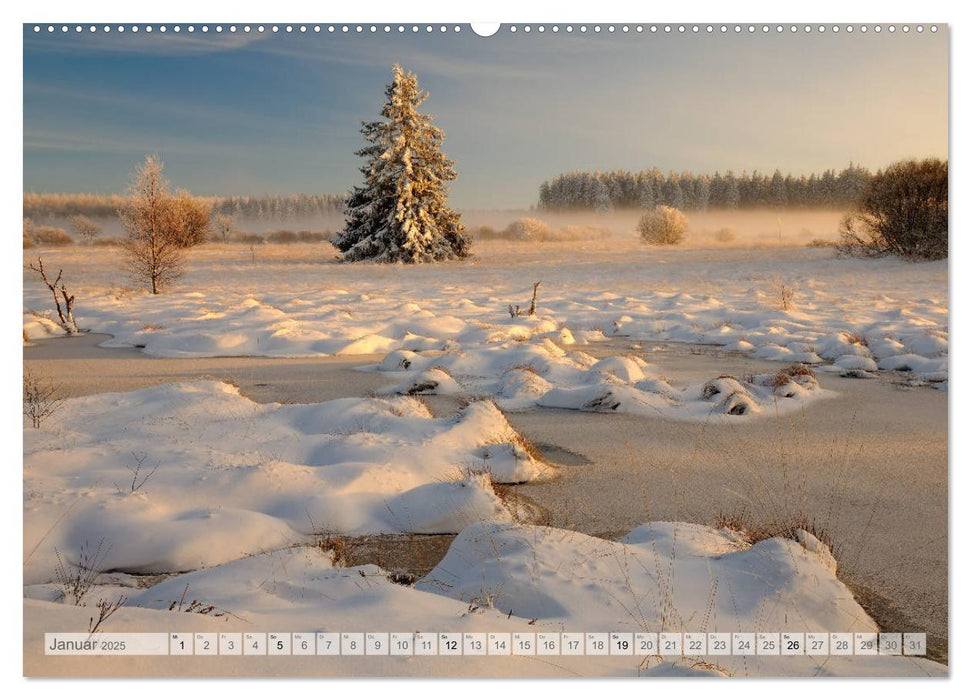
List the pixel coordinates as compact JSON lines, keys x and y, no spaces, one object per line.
{"x":40,"y":205}
{"x":621,"y":189}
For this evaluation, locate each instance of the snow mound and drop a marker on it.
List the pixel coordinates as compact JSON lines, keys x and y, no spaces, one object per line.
{"x":300,"y":588}
{"x":37,"y":326}
{"x":368,"y":345}
{"x":909,"y":362}
{"x":660,"y":576}
{"x":521,"y":387}
{"x":729,"y":396}
{"x":430,"y":381}
{"x":180,"y":476}
{"x":398,"y":361}
{"x":625,"y":368}
{"x":840,"y":344}
{"x":858,"y":362}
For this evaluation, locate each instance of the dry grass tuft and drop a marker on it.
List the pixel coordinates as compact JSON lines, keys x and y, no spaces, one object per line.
{"x":339,"y":548}
{"x":522,"y":368}
{"x":822,"y":243}
{"x":787,"y":374}
{"x":75,"y":580}
{"x":753,"y":529}
{"x":711,"y":387}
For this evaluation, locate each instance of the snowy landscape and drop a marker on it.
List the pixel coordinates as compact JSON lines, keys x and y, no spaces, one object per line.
{"x":421,"y":439}
{"x":650,"y":402}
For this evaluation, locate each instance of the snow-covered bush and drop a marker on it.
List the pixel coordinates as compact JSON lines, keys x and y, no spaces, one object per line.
{"x":663,"y":226}
{"x":527,"y":229}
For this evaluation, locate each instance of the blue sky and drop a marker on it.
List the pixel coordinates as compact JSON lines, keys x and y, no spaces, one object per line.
{"x":277,"y":113}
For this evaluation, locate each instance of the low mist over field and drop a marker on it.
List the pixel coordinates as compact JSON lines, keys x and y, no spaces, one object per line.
{"x":720,"y":228}
{"x":716,"y":227}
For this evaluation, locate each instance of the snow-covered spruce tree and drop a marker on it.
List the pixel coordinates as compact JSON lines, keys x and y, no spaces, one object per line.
{"x":401,"y":213}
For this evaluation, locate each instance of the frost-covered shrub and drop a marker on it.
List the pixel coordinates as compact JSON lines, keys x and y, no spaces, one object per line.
{"x":527,"y":229}
{"x":190,"y":219}
{"x":902,"y":211}
{"x":51,"y":235}
{"x":726,"y":234}
{"x":663,"y":226}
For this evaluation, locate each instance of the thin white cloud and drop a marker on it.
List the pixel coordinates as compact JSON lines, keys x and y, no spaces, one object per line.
{"x":89,"y":142}
{"x":189,"y":109}
{"x":381,"y":52}
{"x":141,"y":43}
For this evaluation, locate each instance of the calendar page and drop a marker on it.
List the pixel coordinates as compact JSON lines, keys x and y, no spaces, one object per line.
{"x":437,"y":349}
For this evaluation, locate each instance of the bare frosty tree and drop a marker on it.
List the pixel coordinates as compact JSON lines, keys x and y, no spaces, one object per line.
{"x":65,"y":314}
{"x":223,"y":224}
{"x":85,"y":227}
{"x":154,"y":255}
{"x":160,"y":226}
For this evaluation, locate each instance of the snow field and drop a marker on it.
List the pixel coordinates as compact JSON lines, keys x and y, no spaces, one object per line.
{"x":887,"y":311}
{"x":241,"y":487}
